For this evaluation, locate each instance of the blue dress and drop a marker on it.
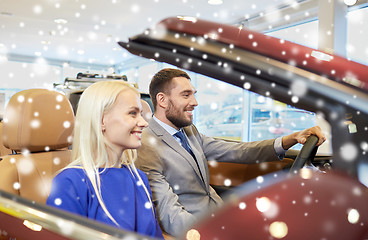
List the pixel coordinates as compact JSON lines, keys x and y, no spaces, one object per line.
{"x":123,"y":195}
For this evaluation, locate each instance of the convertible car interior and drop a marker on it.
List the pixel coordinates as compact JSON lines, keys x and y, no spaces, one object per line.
{"x":306,"y":196}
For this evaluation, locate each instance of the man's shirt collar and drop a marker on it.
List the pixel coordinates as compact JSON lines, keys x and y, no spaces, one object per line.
{"x":168,"y":128}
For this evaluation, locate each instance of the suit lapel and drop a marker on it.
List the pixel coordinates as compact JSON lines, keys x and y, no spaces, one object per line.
{"x":162,"y":134}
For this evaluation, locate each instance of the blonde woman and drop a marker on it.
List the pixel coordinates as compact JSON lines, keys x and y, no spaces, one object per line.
{"x":102,"y":182}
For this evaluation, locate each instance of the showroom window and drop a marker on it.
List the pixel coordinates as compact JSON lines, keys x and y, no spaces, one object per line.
{"x":232,"y":113}
{"x":219,"y":112}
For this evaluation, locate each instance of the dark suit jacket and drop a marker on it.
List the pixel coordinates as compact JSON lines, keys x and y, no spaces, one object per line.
{"x":179,"y":193}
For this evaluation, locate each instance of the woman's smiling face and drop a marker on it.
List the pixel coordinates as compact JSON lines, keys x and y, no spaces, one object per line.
{"x":123,"y":123}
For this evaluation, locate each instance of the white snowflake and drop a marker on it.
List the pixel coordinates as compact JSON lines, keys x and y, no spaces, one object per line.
{"x":58,"y":201}
{"x":298,"y":88}
{"x":66,"y":227}
{"x":242,"y":205}
{"x":348,"y":152}
{"x":16,"y":185}
{"x":227,"y":182}
{"x":25,"y":165}
{"x":278,"y":229}
{"x":353,"y":216}
{"x":147,"y":205}
{"x":35,"y":123}
{"x":260,"y":179}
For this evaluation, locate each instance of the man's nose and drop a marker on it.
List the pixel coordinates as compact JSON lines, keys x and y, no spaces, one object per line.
{"x":194,"y":102}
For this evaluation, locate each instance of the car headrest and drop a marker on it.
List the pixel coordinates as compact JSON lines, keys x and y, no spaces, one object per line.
{"x":146,"y":110}
{"x":38,"y":120}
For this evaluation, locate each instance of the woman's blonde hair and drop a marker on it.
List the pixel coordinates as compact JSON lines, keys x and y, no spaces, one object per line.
{"x":90,"y":148}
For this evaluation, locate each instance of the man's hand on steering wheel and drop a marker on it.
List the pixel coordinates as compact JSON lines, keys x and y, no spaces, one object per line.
{"x":306,"y":154}
{"x":302,"y":136}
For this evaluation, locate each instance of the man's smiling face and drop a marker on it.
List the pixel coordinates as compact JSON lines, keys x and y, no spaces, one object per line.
{"x":181,"y":102}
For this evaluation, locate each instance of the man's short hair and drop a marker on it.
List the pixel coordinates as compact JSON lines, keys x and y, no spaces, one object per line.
{"x":161,"y":82}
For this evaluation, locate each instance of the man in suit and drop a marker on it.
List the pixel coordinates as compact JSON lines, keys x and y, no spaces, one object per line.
{"x":179,"y":178}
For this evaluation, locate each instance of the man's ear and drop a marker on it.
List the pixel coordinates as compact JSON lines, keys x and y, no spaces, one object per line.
{"x":162,"y":100}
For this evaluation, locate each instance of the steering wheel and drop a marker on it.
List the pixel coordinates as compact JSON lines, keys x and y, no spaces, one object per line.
{"x":307,"y":153}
